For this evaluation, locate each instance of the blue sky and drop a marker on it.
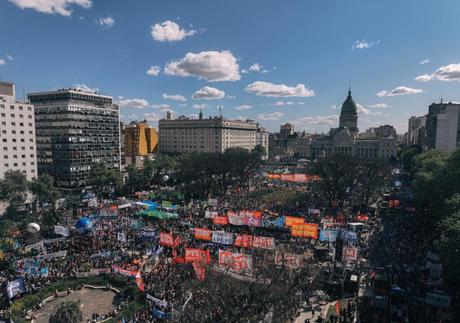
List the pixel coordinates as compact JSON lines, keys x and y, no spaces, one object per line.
{"x":272,"y":61}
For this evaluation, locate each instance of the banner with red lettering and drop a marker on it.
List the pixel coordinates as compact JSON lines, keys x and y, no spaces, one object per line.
{"x":291,"y":220}
{"x":243,"y":240}
{"x":350,"y":254}
{"x":264,"y":243}
{"x":288,"y":260}
{"x":203,"y":234}
{"x":124,"y":272}
{"x":235,"y":219}
{"x":236,"y":262}
{"x":167,"y":239}
{"x":306,"y":230}
{"x":192,"y":255}
{"x":140,"y":282}
{"x":220,"y":219}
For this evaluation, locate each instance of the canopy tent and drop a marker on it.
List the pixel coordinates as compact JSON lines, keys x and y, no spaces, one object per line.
{"x":158,"y":214}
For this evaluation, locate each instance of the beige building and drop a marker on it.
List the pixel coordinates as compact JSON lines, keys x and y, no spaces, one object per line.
{"x":17,"y":134}
{"x":139,"y":141}
{"x":215,"y":134}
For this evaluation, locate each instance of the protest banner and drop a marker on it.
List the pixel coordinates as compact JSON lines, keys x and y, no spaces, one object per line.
{"x":147,"y":234}
{"x":124,"y":272}
{"x":167,"y":239}
{"x":15,"y":287}
{"x":235,"y":219}
{"x":291,"y":261}
{"x":243,"y":240}
{"x":193,"y":254}
{"x":121,"y":236}
{"x":235,"y":261}
{"x":49,"y":241}
{"x":328,"y":235}
{"x":306,"y":230}
{"x":289,"y":221}
{"x":221,"y":220}
{"x":437,"y":299}
{"x":264,"y":242}
{"x":350,"y":253}
{"x":159,"y":302}
{"x":203,"y":234}
{"x":63,"y":231}
{"x":57,"y":254}
{"x":210,"y":214}
{"x":36,"y":246}
{"x":222,"y":237}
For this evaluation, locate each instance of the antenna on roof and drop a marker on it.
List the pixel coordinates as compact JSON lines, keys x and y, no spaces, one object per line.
{"x":220,"y":111}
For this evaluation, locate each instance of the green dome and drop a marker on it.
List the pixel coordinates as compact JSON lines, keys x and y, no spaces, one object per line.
{"x":349,"y":106}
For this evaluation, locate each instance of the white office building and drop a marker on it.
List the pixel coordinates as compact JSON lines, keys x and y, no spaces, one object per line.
{"x":17,"y":134}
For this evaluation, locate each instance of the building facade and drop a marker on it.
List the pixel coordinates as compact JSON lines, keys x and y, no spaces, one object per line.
{"x":416,"y":131}
{"x":74,"y":131}
{"x":286,"y":130}
{"x":378,"y":143}
{"x":139,"y":141}
{"x":443,"y":126}
{"x":215,"y":134}
{"x":17,"y":134}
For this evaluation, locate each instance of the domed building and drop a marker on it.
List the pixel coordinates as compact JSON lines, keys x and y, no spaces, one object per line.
{"x":346,"y":138}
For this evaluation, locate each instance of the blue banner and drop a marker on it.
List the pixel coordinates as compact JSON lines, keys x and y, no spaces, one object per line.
{"x":159,"y":314}
{"x":328,"y":235}
{"x":15,"y":287}
{"x":277,"y":223}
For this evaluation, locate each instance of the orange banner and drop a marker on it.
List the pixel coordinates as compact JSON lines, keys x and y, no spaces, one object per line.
{"x":307,"y":230}
{"x":291,"y":220}
{"x":221,"y":220}
{"x":200,"y":255}
{"x":203,"y":234}
{"x":243,"y":240}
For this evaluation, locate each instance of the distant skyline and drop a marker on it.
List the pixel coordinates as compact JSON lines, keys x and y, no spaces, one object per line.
{"x":268,"y":60}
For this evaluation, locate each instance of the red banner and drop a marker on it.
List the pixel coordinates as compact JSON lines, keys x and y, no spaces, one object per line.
{"x":221,"y":220}
{"x":264,"y":243}
{"x":307,"y":230}
{"x":167,"y":239}
{"x":243,"y":240}
{"x":200,"y":270}
{"x":288,"y":260}
{"x":192,"y":255}
{"x":203,"y":234}
{"x":235,"y":261}
{"x":235,"y":219}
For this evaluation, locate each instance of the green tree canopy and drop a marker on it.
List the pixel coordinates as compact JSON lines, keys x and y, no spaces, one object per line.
{"x":68,"y":312}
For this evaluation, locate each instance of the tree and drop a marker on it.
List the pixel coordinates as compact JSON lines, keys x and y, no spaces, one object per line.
{"x":68,"y":312}
{"x":137,"y":179}
{"x":13,"y":187}
{"x":407,"y":157}
{"x":44,"y":190}
{"x":104,"y":180}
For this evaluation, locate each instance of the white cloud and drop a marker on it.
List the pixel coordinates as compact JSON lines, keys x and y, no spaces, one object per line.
{"x":182,"y":105}
{"x":283,"y":103}
{"x":447,"y":73}
{"x":106,"y":22}
{"x":425,"y":61}
{"x":162,"y":107}
{"x":361,"y":109}
{"x":9,"y":57}
{"x":231,"y":97}
{"x":329,"y":120}
{"x":151,"y":116}
{"x":60,"y":7}
{"x":261,"y":88}
{"x":85,"y":88}
{"x":378,"y":106}
{"x":363,"y":44}
{"x":270,"y":116}
{"x":256,"y":67}
{"x":175,"y":97}
{"x":153,"y":70}
{"x":400,"y":90}
{"x":133,"y":103}
{"x":169,"y":31}
{"x":243,"y":107}
{"x":212,"y":66}
{"x":208,"y":93}
{"x":2,"y":62}
{"x":200,"y":106}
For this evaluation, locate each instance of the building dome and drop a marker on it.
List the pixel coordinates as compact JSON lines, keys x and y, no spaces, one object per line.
{"x":349,"y":105}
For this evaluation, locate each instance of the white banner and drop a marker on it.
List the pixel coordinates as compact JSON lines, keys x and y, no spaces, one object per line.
{"x":222,"y":237}
{"x":37,"y":246}
{"x":54,"y":240}
{"x":63,"y":231}
{"x":288,"y":260}
{"x":160,"y":302}
{"x":350,"y":254}
{"x":210,"y":214}
{"x":57,"y":254}
{"x":121,"y":236}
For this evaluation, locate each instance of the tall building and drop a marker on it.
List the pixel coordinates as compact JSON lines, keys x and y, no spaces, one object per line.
{"x":443,"y":126}
{"x":416,"y":131}
{"x":140,"y":140}
{"x":216,"y":134}
{"x":286,"y":130}
{"x":17,"y":133}
{"x":75,"y":130}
